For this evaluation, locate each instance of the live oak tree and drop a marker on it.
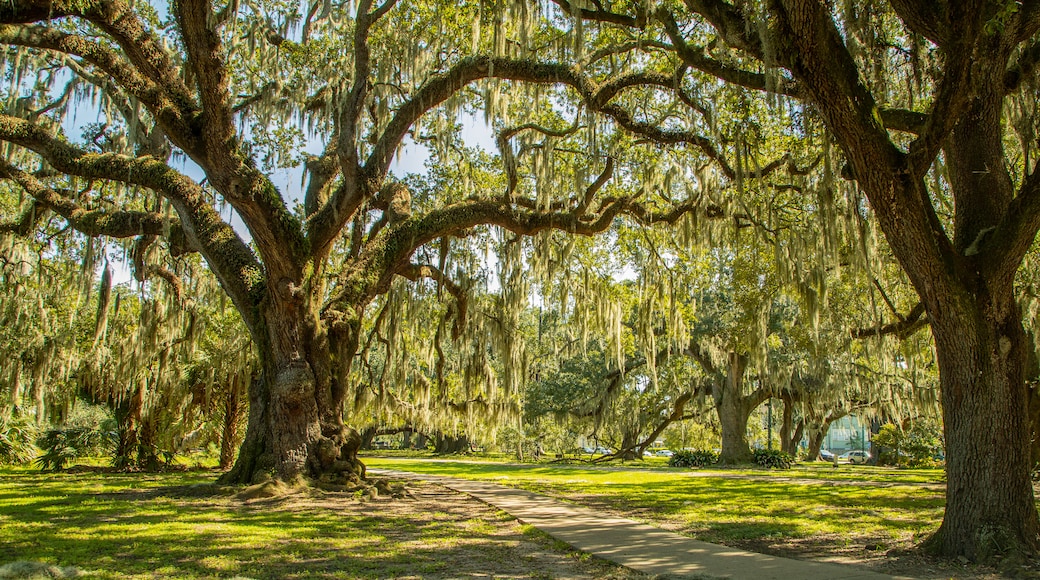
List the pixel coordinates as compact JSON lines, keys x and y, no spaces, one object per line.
{"x":913,"y":94}
{"x":932,"y":107}
{"x":195,"y":110}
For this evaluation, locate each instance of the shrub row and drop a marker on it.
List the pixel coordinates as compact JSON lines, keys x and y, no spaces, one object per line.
{"x":773,"y":459}
{"x":694,"y":458}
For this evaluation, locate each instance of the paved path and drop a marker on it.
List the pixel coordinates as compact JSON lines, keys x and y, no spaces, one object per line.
{"x":638,"y":546}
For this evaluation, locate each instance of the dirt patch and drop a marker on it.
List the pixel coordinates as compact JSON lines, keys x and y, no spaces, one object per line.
{"x":442,"y":534}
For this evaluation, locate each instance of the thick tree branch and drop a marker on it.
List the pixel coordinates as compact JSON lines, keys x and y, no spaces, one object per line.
{"x":904,"y":120}
{"x":163,"y":105}
{"x":326,"y":224}
{"x":697,"y":353}
{"x":929,"y":18}
{"x":1013,"y":238}
{"x":117,"y":224}
{"x":915,"y":320}
{"x":731,"y":23}
{"x":117,"y":19}
{"x":695,"y":58}
{"x":228,"y":256}
{"x":599,"y":14}
{"x":677,"y":414}
{"x":205,"y":58}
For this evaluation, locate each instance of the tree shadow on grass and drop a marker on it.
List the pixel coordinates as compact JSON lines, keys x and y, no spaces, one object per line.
{"x":198,"y":531}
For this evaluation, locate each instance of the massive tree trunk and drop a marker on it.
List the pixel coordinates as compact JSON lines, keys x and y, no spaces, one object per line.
{"x":981,"y":346}
{"x":989,"y":499}
{"x":295,"y":428}
{"x":965,"y":283}
{"x":734,"y":408}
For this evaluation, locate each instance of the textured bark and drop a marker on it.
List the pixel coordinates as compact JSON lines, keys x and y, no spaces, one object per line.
{"x":734,"y":408}
{"x":816,"y":438}
{"x":229,"y":430}
{"x":294,"y":429}
{"x":989,"y":499}
{"x":965,"y":280}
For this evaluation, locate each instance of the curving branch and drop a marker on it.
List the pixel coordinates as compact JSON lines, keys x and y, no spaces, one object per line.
{"x":325,"y":225}
{"x":600,"y":14}
{"x":231,"y":260}
{"x":695,"y":58}
{"x":1027,"y":19}
{"x":731,"y":23}
{"x":164,"y":106}
{"x":118,"y":224}
{"x":1015,"y":235}
{"x":144,"y":50}
{"x":929,"y":18}
{"x":907,"y":325}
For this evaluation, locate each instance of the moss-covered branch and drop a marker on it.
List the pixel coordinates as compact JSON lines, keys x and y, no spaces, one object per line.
{"x":228,"y":256}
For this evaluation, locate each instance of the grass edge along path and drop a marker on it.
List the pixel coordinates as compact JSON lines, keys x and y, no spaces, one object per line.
{"x":747,"y":511}
{"x":639,"y":546}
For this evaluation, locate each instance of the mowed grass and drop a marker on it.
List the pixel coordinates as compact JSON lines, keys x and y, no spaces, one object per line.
{"x":180,"y":526}
{"x":843,"y":505}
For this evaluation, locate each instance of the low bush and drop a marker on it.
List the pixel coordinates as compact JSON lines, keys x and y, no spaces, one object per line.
{"x":63,"y":446}
{"x":694,"y":458}
{"x":17,"y":435}
{"x":773,"y":459}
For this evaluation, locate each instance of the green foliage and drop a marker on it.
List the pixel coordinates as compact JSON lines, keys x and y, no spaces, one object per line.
{"x":918,"y":446}
{"x":17,"y":435}
{"x":87,"y":434}
{"x":772,"y":459}
{"x":693,"y":458}
{"x":700,"y":434}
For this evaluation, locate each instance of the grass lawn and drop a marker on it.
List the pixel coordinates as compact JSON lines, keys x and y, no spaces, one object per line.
{"x":813,"y":504}
{"x":180,"y":526}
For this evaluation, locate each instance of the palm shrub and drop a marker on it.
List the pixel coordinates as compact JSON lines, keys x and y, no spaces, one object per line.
{"x":86,"y":435}
{"x":693,"y":458}
{"x":17,"y":435}
{"x":772,"y":459}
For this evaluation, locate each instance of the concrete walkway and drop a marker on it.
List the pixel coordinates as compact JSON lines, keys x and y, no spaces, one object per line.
{"x":638,"y":546}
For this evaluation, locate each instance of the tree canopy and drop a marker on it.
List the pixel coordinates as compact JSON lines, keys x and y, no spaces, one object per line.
{"x":161,"y":126}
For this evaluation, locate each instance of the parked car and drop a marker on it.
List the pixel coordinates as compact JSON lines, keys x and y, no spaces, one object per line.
{"x":856,"y":457}
{"x":665,"y":453}
{"x":603,"y":451}
{"x":826,"y":455}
